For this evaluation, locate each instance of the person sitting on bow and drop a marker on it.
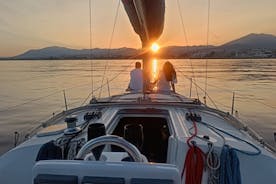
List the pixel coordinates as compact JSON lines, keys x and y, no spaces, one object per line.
{"x":167,"y":78}
{"x":136,"y":79}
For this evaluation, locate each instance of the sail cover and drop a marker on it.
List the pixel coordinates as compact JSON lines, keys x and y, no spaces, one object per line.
{"x":146,"y":17}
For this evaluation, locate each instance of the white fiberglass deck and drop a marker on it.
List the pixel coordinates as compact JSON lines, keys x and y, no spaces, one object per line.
{"x":153,"y":111}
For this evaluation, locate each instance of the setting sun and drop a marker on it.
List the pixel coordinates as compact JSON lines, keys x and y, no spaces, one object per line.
{"x":155,"y":47}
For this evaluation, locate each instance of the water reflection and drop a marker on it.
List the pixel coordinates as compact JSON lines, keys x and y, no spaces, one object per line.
{"x":254,"y":82}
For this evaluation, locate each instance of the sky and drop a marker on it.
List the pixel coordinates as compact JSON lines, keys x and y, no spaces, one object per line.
{"x":33,"y":24}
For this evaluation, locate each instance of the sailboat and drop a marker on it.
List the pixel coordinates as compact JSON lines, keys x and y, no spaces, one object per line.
{"x":146,"y":137}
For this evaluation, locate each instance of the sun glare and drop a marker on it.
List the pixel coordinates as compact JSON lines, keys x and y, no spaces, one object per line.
{"x":154,"y":68}
{"x":155,"y":47}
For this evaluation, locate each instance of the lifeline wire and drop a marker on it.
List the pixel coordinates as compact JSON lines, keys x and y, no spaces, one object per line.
{"x":107,"y":83}
{"x":194,"y":82}
{"x":258,"y":151}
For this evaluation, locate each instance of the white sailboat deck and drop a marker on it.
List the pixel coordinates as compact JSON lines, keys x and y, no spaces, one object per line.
{"x":156,"y":112}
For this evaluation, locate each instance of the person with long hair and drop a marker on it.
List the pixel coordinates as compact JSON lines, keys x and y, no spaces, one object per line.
{"x":167,"y":78}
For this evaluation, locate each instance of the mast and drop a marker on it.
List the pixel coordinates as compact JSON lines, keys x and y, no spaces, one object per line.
{"x":147,"y":19}
{"x":147,"y":56}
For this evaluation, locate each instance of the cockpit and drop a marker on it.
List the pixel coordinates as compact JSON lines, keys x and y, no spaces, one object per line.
{"x":147,"y":129}
{"x":134,"y":138}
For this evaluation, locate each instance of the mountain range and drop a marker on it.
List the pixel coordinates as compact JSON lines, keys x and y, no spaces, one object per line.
{"x":249,"y":46}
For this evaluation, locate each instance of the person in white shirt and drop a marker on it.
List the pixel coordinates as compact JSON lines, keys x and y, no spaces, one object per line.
{"x":167,"y":78}
{"x":136,"y":79}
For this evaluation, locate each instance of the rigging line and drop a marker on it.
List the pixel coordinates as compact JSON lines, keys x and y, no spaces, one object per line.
{"x":223,"y":105}
{"x":256,"y":101}
{"x":110,"y":43}
{"x":207,"y":46}
{"x":90,"y":46}
{"x":182,"y":22}
{"x":247,"y":118}
{"x":258,"y":151}
{"x":199,"y":82}
{"x":131,"y":57}
{"x":186,"y":39}
{"x":89,"y":96}
{"x":200,"y":89}
{"x":28,"y":130}
{"x":126,"y":68}
{"x":42,"y":97}
{"x":107,"y":83}
{"x":30,"y":101}
{"x":226,"y":90}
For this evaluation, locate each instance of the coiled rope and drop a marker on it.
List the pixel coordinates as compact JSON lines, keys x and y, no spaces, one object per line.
{"x":229,"y":172}
{"x":194,"y":161}
{"x":223,"y":169}
{"x":213,"y":164}
{"x":212,"y":160}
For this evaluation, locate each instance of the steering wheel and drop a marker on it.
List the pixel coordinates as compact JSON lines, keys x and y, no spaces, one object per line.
{"x":133,"y":152}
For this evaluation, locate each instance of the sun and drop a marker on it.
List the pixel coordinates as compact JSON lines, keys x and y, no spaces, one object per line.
{"x":155,"y":47}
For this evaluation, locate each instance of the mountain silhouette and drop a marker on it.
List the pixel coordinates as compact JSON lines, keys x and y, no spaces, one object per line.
{"x":249,"y":42}
{"x":253,"y":41}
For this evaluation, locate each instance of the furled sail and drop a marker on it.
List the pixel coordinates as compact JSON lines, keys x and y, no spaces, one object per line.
{"x":146,"y":17}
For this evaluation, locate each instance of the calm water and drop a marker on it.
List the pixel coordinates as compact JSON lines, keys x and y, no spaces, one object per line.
{"x":31,"y":91}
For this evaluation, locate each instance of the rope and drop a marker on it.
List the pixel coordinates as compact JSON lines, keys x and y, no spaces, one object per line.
{"x":213,"y":164}
{"x":107,"y":82}
{"x":225,"y":170}
{"x":194,"y":82}
{"x":207,"y":45}
{"x":194,"y":161}
{"x":194,"y":164}
{"x":258,"y":151}
{"x":256,"y":101}
{"x":29,"y":127}
{"x":110,"y":43}
{"x":90,"y":46}
{"x":212,"y":159}
{"x":229,"y":172}
{"x":193,"y":135}
{"x":30,"y":101}
{"x":42,"y":97}
{"x":182,"y":22}
{"x":227,"y":165}
{"x":239,"y":97}
{"x":187,"y":43}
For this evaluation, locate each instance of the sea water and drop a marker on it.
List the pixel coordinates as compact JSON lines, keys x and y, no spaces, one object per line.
{"x":33,"y":91}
